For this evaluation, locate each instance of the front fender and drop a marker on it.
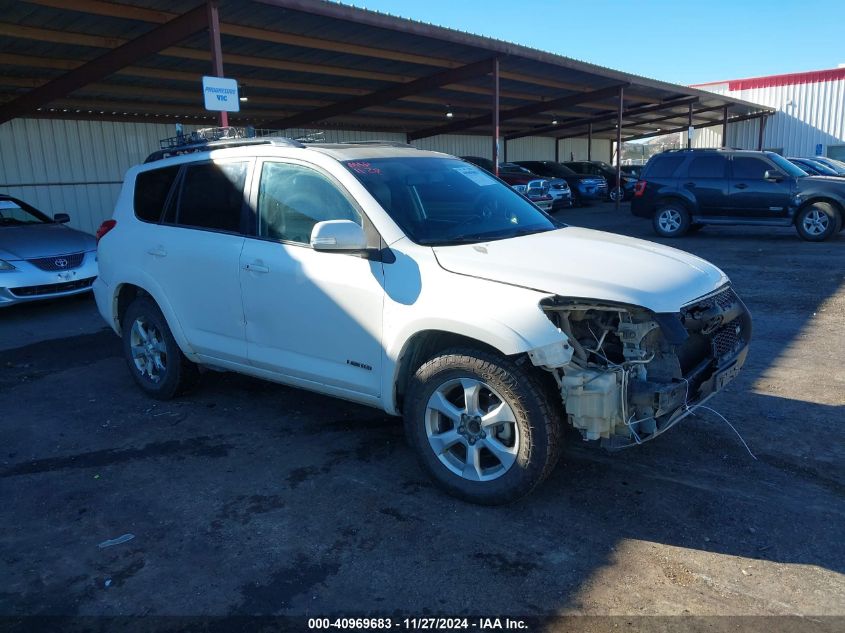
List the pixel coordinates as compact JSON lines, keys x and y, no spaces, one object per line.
{"x":504,"y":317}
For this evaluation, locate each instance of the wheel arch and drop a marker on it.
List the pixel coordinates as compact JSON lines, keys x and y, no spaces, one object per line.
{"x":837,"y":205}
{"x":422,"y":346}
{"x":128,"y":290}
{"x":675,"y":198}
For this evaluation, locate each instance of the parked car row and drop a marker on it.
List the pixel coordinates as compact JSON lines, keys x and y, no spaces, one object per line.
{"x":684,"y":190}
{"x":586,"y":181}
{"x":585,"y":188}
{"x":622,"y":190}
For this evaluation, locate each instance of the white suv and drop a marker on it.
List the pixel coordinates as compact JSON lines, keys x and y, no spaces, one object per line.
{"x":416,"y":283}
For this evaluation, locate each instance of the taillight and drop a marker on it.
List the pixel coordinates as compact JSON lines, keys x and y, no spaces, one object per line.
{"x":639,"y":188}
{"x":105,"y":227}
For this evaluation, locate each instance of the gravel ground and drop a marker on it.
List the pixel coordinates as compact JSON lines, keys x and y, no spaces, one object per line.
{"x":249,"y":498}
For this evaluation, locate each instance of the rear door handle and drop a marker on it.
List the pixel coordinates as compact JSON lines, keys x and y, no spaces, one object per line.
{"x":741,"y":185}
{"x":255,"y":267}
{"x":689,"y":184}
{"x":158,"y":251}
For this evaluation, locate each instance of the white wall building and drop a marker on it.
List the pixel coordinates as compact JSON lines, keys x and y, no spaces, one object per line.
{"x":810,"y":116}
{"x":77,"y":167}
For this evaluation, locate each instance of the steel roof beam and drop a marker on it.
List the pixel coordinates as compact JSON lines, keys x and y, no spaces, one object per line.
{"x":387,"y":95}
{"x":668,"y":117}
{"x":736,"y":119}
{"x":603,"y":117}
{"x":514,"y":113}
{"x":151,"y":42}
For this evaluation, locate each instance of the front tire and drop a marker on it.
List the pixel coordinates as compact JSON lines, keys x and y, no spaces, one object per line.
{"x":817,"y":222}
{"x":154,"y":359}
{"x":483,"y":428}
{"x":671,"y":220}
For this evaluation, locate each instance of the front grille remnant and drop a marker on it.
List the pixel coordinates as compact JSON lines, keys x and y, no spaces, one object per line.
{"x":727,"y":339}
{"x":59,"y":262}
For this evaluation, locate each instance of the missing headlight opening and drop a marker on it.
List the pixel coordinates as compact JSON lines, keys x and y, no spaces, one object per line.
{"x":635,"y":373}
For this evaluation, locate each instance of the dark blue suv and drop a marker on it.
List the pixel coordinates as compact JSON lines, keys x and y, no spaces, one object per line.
{"x":683,"y":190}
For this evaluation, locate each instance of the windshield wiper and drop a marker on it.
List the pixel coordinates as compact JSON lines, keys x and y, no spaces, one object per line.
{"x":474,"y":238}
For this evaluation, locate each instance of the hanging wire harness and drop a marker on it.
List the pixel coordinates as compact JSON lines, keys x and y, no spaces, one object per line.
{"x":634,"y":373}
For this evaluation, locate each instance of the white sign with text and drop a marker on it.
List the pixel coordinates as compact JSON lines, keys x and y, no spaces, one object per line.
{"x":221,"y":94}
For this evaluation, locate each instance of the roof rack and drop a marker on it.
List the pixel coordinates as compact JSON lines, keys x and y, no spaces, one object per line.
{"x":377,"y":142}
{"x":207,"y":139}
{"x":705,"y":149}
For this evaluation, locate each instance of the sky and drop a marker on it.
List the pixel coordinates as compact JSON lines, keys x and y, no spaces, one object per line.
{"x":680,"y":41}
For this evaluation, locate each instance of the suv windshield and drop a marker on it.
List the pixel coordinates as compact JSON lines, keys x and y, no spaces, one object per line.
{"x":13,"y":213}
{"x":441,"y":201}
{"x":788,"y":168}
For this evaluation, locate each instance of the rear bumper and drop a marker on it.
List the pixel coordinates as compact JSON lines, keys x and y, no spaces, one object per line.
{"x":591,"y":192}
{"x":641,"y":208}
{"x":103,"y":296}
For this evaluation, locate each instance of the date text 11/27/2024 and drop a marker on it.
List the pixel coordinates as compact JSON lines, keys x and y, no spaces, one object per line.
{"x":418,"y":624}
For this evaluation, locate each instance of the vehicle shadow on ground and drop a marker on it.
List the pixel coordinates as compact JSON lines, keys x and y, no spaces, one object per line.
{"x":316,"y":506}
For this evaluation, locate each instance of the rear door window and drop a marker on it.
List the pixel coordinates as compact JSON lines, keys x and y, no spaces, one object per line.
{"x":707,"y":166}
{"x":212,"y":196}
{"x":749,"y":168}
{"x":663,"y":166}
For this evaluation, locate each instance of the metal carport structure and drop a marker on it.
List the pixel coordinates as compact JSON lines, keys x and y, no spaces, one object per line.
{"x":315,"y":64}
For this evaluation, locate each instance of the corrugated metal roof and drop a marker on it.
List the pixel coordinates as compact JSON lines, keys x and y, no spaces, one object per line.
{"x":290,"y":54}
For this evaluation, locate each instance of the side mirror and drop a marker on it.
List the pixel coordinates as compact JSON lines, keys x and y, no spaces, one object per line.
{"x":773,"y":175}
{"x":61,"y":218}
{"x":340,"y":236}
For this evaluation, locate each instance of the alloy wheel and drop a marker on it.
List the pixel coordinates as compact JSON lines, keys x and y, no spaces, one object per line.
{"x":669,"y":220}
{"x":816,"y":222}
{"x":149,"y":352}
{"x":471,"y":429}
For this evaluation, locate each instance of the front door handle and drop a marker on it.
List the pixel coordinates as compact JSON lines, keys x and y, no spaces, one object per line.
{"x":256,"y":267}
{"x":158,"y":251}
{"x":741,"y":185}
{"x":689,"y":184}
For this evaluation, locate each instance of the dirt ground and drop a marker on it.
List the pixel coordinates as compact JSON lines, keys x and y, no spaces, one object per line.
{"x":249,"y":498}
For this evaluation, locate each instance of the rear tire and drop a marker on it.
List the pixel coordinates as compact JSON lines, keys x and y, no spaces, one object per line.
{"x":155,"y":361}
{"x":616,"y":193}
{"x":671,"y":220}
{"x":483,"y":428}
{"x":818,"y":221}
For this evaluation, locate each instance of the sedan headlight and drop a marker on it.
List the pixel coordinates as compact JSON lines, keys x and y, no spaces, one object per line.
{"x":5,"y":266}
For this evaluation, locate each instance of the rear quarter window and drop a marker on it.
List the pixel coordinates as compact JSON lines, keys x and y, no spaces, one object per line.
{"x":151,"y":190}
{"x":663,"y":166}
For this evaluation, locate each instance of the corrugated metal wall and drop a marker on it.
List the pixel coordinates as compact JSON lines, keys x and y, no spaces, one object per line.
{"x":77,"y":167}
{"x":73,"y":166}
{"x":576,"y":149}
{"x":808,"y":114}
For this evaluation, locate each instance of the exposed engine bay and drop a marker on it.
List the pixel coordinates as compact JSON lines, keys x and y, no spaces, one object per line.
{"x":635,"y":373}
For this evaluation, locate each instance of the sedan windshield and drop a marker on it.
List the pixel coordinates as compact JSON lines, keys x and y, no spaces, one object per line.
{"x":441,"y":201}
{"x":14,"y":214}
{"x":788,"y":168}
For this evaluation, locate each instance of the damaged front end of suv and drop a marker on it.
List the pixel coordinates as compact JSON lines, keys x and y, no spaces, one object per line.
{"x":635,"y":373}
